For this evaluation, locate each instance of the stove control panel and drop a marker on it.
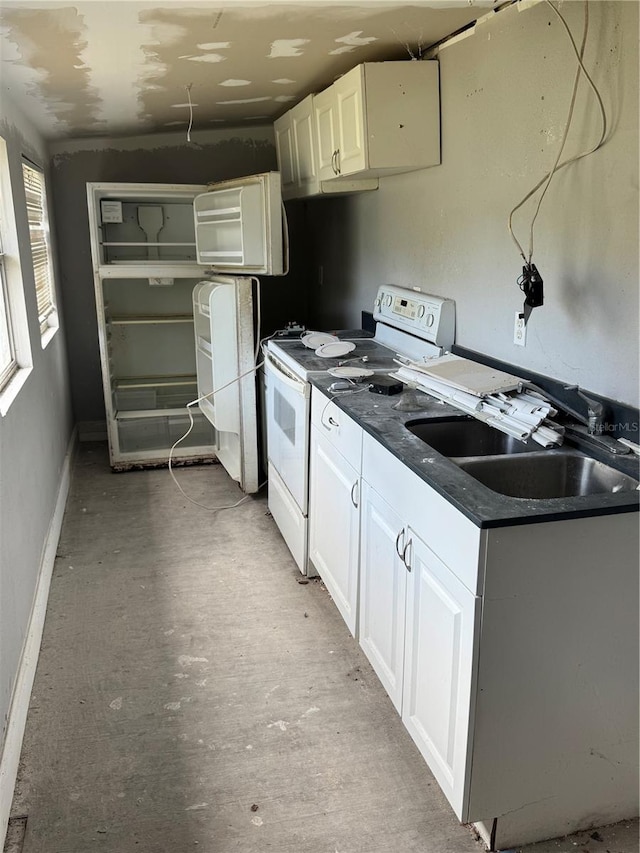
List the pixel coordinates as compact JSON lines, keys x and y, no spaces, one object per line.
{"x":431,"y":318}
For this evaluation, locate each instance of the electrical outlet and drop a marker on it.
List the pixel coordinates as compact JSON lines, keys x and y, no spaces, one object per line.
{"x":519,"y":330}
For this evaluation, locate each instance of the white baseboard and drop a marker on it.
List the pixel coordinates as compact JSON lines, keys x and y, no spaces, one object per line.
{"x":11,"y":747}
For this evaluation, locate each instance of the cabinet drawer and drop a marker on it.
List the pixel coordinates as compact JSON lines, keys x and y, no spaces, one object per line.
{"x":339,"y":429}
{"x":448,"y":533}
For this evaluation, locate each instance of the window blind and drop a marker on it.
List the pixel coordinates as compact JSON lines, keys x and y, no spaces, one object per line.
{"x":39,"y":237}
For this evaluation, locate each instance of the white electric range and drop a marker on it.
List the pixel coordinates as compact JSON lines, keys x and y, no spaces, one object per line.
{"x":409,"y":323}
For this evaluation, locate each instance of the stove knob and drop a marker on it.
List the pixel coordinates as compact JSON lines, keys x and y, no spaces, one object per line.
{"x":388,"y":300}
{"x":430,"y":319}
{"x":376,"y":304}
{"x":421,"y":311}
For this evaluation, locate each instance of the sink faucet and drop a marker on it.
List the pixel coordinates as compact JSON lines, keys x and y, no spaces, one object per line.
{"x":593,"y":420}
{"x":595,"y":411}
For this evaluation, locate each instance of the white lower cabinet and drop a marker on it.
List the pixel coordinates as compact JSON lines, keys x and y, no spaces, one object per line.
{"x":441,"y":625}
{"x":383,"y":588}
{"x":334,"y":525}
{"x":416,"y":621}
{"x":334,"y":503}
{"x":419,"y":620}
{"x":417,"y":628}
{"x":488,"y":642}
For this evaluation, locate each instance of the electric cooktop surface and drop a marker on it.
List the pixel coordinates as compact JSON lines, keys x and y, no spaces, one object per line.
{"x":368,"y":354}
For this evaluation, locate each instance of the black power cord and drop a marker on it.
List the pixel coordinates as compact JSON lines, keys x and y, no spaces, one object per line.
{"x":530,"y":283}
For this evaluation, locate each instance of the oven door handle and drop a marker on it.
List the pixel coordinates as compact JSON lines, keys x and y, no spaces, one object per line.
{"x":297,"y":385}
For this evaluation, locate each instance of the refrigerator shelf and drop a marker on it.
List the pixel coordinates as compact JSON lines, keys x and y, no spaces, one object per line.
{"x":153,"y":395}
{"x":226,"y":212}
{"x":141,"y":432}
{"x":167,"y":318}
{"x":150,"y":413}
{"x":122,"y":382}
{"x":143,"y":243}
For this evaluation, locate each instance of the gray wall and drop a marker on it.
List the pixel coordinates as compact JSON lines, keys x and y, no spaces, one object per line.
{"x":159,"y":158}
{"x":505,"y":96}
{"x":34,"y":435}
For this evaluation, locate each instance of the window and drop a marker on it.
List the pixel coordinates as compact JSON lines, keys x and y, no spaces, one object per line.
{"x":15,"y":350}
{"x":8,"y":363}
{"x":40,"y":246}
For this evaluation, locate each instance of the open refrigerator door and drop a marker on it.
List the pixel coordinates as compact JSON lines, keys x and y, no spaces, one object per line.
{"x":225,"y":361}
{"x":238,"y":225}
{"x":238,"y":230}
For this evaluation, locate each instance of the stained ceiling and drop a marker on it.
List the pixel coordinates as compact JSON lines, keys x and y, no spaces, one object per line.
{"x":120,"y":67}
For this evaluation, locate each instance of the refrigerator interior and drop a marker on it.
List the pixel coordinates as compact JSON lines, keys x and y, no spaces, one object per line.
{"x":151,"y":353}
{"x":149,"y":230}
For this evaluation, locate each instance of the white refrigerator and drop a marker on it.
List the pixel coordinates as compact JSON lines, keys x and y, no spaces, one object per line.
{"x":173,"y":270}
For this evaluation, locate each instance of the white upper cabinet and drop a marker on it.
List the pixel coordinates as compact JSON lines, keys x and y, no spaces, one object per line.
{"x":238,"y":225}
{"x":341,"y":126}
{"x":283,"y":130}
{"x":298,"y":156}
{"x":380,"y":118}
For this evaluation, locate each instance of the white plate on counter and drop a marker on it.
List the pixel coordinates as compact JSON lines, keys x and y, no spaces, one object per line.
{"x":336,"y":348}
{"x":348,"y":372}
{"x":313,"y":340}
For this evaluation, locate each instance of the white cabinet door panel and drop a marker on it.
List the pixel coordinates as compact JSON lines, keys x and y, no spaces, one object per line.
{"x":283,"y":130}
{"x":352,"y":147}
{"x":441,"y":628}
{"x":334,"y":523}
{"x":383,"y":584}
{"x":324,"y":108}
{"x":341,"y":431}
{"x":304,"y":142}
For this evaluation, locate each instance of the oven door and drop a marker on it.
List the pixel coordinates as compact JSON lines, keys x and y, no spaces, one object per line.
{"x":288,"y":412}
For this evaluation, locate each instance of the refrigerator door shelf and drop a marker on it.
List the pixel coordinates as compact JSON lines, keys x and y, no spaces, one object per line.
{"x":238,"y":225}
{"x":225,"y":352}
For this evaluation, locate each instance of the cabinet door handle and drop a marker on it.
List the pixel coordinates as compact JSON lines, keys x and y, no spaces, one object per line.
{"x":398,"y":551}
{"x":334,"y":162}
{"x":338,"y":169}
{"x":354,"y":501}
{"x":332,"y":421}
{"x":406,"y":552}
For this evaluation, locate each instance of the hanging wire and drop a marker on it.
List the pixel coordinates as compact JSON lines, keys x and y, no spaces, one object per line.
{"x":560,"y":165}
{"x":191,"y":425}
{"x":188,"y":88}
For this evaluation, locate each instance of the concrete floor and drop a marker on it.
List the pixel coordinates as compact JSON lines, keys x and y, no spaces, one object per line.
{"x":192,"y":693}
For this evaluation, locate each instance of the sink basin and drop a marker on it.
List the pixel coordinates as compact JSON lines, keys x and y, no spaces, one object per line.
{"x":552,"y":474}
{"x":460,"y":436}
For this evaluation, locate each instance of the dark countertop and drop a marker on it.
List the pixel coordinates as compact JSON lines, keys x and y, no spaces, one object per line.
{"x":481,"y":505}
